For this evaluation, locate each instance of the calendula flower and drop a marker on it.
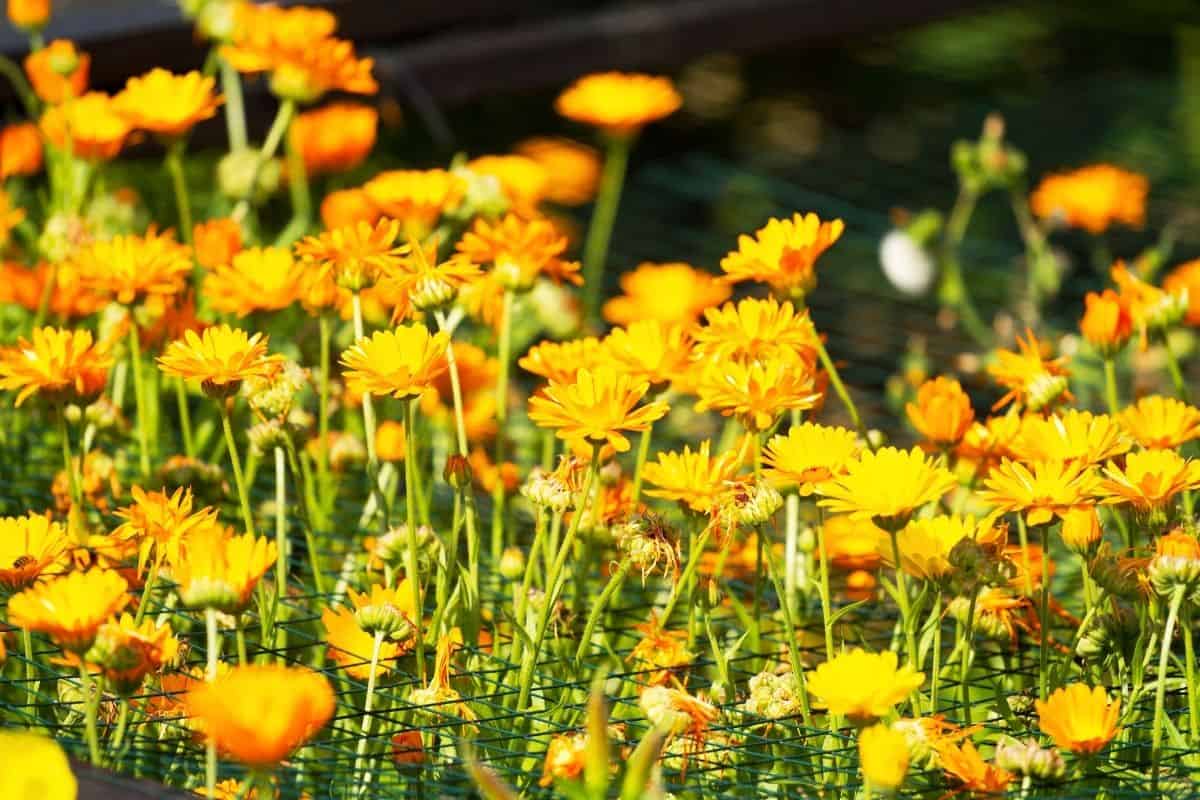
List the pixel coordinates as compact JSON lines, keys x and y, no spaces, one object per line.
{"x":597,"y":406}
{"x":219,"y":570}
{"x":167,"y":104}
{"x":618,"y":103}
{"x":257,"y":279}
{"x":440,"y":693}
{"x":160,"y":521}
{"x":402,"y":362}
{"x":1079,"y":718}
{"x":126,"y":652}
{"x":88,"y":126}
{"x":29,"y":15}
{"x":520,"y":250}
{"x":783,"y":254}
{"x":37,"y":766}
{"x":20,"y":150}
{"x":809,"y":455}
{"x":1149,"y":480}
{"x":130,"y":268}
{"x":522,"y":180}
{"x":566,"y":758}
{"x":219,"y":359}
{"x":862,"y":686}
{"x":942,"y":412}
{"x":986,"y":443}
{"x":757,"y":393}
{"x":335,"y":138}
{"x":1176,"y":562}
{"x":1070,"y":435}
{"x":1041,"y":490}
{"x":883,"y":757}
{"x":417,"y":198}
{"x":560,"y":362}
{"x":348,"y":207}
{"x":258,"y":714}
{"x":350,"y":646}
{"x":1033,"y":382}
{"x":1161,"y":423}
{"x":10,"y":218}
{"x":386,"y":609}
{"x":1081,"y":529}
{"x":424,"y":282}
{"x":57,"y":364}
{"x":216,"y":242}
{"x":677,"y":712}
{"x":29,"y":546}
{"x":852,"y":544}
{"x":695,"y":478}
{"x":650,"y":350}
{"x":357,"y":255}
{"x":1107,"y":322}
{"x":671,"y":293}
{"x":58,"y":72}
{"x":70,"y":609}
{"x":756,"y":330}
{"x":887,"y":485}
{"x":1185,"y":280}
{"x":659,"y":651}
{"x":1152,"y":309}
{"x":925,"y":544}
{"x":1092,"y":198}
{"x":965,"y":767}
{"x":572,"y":169}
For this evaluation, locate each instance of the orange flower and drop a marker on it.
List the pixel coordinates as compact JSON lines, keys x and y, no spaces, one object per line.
{"x":963,"y":765}
{"x":161,"y":521}
{"x":89,"y":125}
{"x":258,"y":279}
{"x":1106,"y":323}
{"x":357,"y":255}
{"x":566,"y":758}
{"x":258,"y":714}
{"x":127,"y":652}
{"x":217,"y":241}
{"x":219,"y":570}
{"x":129,"y":268}
{"x":522,"y":180}
{"x":520,"y":250}
{"x":351,"y":647}
{"x":757,"y":393}
{"x":417,"y":198}
{"x":694,"y":478}
{"x":986,"y":443}
{"x":783,"y":254}
{"x":390,"y":442}
{"x":1092,"y":198}
{"x":1186,"y":276}
{"x":423,"y":282}
{"x":1151,"y":308}
{"x":167,"y":104}
{"x":1158,"y":422}
{"x":29,"y":545}
{"x":10,"y":218}
{"x":403,"y":362}
{"x":1041,"y":491}
{"x":650,"y":350}
{"x":20,"y":150}
{"x":942,"y":412}
{"x":58,"y":364}
{"x":348,"y":207}
{"x":58,"y":72}
{"x":335,"y":138}
{"x":673,"y":293}
{"x":1033,"y":382}
{"x":560,"y":362}
{"x":1149,"y":480}
{"x":596,"y":406}
{"x":853,"y":544}
{"x":572,"y":169}
{"x":1079,"y":719}
{"x":70,"y":609}
{"x":618,"y":103}
{"x":29,"y":14}
{"x":220,"y":358}
{"x":1081,"y":529}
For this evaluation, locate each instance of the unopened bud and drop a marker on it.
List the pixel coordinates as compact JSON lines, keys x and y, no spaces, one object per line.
{"x":457,"y":472}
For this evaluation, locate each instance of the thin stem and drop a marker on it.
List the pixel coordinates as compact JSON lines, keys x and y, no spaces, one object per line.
{"x":309,"y":535}
{"x":905,"y":609}
{"x":1044,"y":615}
{"x":835,"y":380}
{"x":213,"y":655}
{"x":414,"y":576}
{"x":300,"y":193}
{"x":1110,"y":386}
{"x":367,"y":720}
{"x":139,"y":397}
{"x":325,"y":325}
{"x":185,"y":418}
{"x":504,"y":355}
{"x":967,"y":648}
{"x":604,"y":217}
{"x":642,"y":453}
{"x":236,"y":461}
{"x":460,"y":430}
{"x":1189,"y":662}
{"x":953,"y":290}
{"x":1160,"y":692}
{"x":235,"y":111}
{"x":31,"y":687}
{"x":368,"y":407}
{"x":935,"y":679}
{"x":281,"y":540}
{"x":91,"y":704}
{"x":610,"y":589}
{"x":1181,"y":389}
{"x":16,"y":76}
{"x":826,"y":604}
{"x":283,"y":121}
{"x":685,"y":577}
{"x":183,"y":204}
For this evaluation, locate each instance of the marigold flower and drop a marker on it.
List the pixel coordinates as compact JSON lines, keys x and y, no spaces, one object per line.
{"x":417,"y":198}
{"x":677,"y":712}
{"x":560,"y":362}
{"x":257,"y":279}
{"x":1081,"y":529}
{"x":1092,"y":198}
{"x":522,"y":180}
{"x":887,"y":485}
{"x":1149,"y":480}
{"x":671,"y":293}
{"x":862,"y":686}
{"x":942,"y":412}
{"x":1107,"y":323}
{"x":566,"y":758}
{"x":520,"y":250}
{"x":219,"y":359}
{"x":424,"y":282}
{"x":29,"y":546}
{"x":659,"y":651}
{"x":350,"y":646}
{"x":57,"y":364}
{"x":963,"y":765}
{"x":216,"y":242}
{"x":89,"y":126}
{"x":619,"y":103}
{"x":357,"y":255}
{"x":808,"y":455}
{"x":883,"y":756}
{"x":127,"y":652}
{"x":925,"y":544}
{"x":129,"y":268}
{"x":1176,"y":562}
{"x":390,"y":442}
{"x":167,"y":104}
{"x":694,"y":478}
{"x":650,"y":350}
{"x":1162,"y":423}
{"x":58,"y":71}
{"x":1185,"y":278}
{"x":852,"y":544}
{"x":70,"y":609}
{"x":258,"y":714}
{"x":1071,"y":435}
{"x":757,"y":393}
{"x":1152,"y":308}
{"x":572,"y":169}
{"x":160,"y":521}
{"x":783,"y":254}
{"x":219,"y":570}
{"x":335,"y":138}
{"x":348,"y":207}
{"x":1033,"y":382}
{"x":20,"y":150}
{"x":29,"y":14}
{"x":756,"y":330}
{"x":987,"y":442}
{"x":1040,"y":490}
{"x":596,"y":406}
{"x":1079,"y":718}
{"x":402,"y":362}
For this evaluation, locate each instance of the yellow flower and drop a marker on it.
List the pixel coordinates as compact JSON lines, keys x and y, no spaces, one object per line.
{"x":756,"y":329}
{"x":1033,"y":382}
{"x":258,"y":714}
{"x":357,"y":255}
{"x":619,"y":103}
{"x":402,"y":362}
{"x":57,"y":364}
{"x":520,"y":251}
{"x":417,"y":198}
{"x":650,"y":350}
{"x":335,"y":138}
{"x":809,"y":455}
{"x":883,"y":756}
{"x":671,"y":293}
{"x":58,"y":71}
{"x":29,"y":545}
{"x":127,"y":652}
{"x":694,"y":478}
{"x":1079,"y":718}
{"x":1040,"y":490}
{"x":1162,"y":423}
{"x":167,"y":104}
{"x":89,"y":126}
{"x":70,"y":609}
{"x":160,"y":521}
{"x":1070,"y":436}
{"x":925,"y":544}
{"x":1081,"y":529}
{"x":220,"y":570}
{"x":258,"y":279}
{"x":783,"y":254}
{"x":424,"y":282}
{"x":131,"y":268}
{"x":35,"y":768}
{"x":887,"y":486}
{"x":1092,"y":198}
{"x":757,"y":393}
{"x":596,"y":406}
{"x":220,"y":358}
{"x":560,"y":362}
{"x":351,"y":647}
{"x":522,"y":180}
{"x":942,"y":412}
{"x":862,"y":686}
{"x":572,"y":169}
{"x":1150,"y":479}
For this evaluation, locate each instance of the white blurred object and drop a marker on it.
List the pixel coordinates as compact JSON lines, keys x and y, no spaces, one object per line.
{"x":906,"y":264}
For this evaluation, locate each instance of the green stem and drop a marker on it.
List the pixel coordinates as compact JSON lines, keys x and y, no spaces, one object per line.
{"x":1160,"y":693}
{"x":642,"y":453}
{"x":281,"y":543}
{"x":91,"y":704}
{"x":953,"y":290}
{"x":15,"y":75}
{"x":460,"y":432}
{"x":325,"y":325}
{"x":300,"y":193}
{"x":414,"y":576}
{"x":31,"y":682}
{"x":685,"y":577}
{"x":1181,"y":389}
{"x":826,"y":604}
{"x":604,"y":217}
{"x":835,"y":380}
{"x":368,"y":407}
{"x":1044,"y":615}
{"x":1110,"y":386}
{"x":139,"y":398}
{"x":183,"y":203}
{"x":235,"y":111}
{"x":610,"y":589}
{"x":185,"y":418}
{"x":967,"y":649}
{"x":367,"y":720}
{"x":236,"y":461}
{"x":504,"y":355}
{"x":1189,"y":661}
{"x":314,"y":559}
{"x":935,"y":679}
{"x":279,"y":128}
{"x":210,"y":674}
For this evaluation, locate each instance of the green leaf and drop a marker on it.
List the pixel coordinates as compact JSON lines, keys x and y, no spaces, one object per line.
{"x":641,"y":762}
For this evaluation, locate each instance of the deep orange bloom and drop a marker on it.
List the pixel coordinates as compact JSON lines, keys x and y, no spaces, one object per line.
{"x":522,"y":180}
{"x":784,"y":254}
{"x":58,"y":71}
{"x":566,"y":758}
{"x":70,"y":609}
{"x":520,"y":250}
{"x":10,"y":217}
{"x":416,"y":197}
{"x":674,"y":292}
{"x":20,"y":150}
{"x":1079,"y":718}
{"x":1107,"y":323}
{"x":1092,"y":198}
{"x":596,"y":406}
{"x":964,"y":766}
{"x":58,"y":364}
{"x":350,"y":646}
{"x":129,"y":268}
{"x":29,"y":14}
{"x":422,"y":281}
{"x":335,"y":138}
{"x":618,"y":103}
{"x":348,"y":207}
{"x":167,"y":104}
{"x":1152,"y":308}
{"x":127,"y":652}
{"x":942,"y":412}
{"x":216,"y":242}
{"x":89,"y":125}
{"x":572,"y":169}
{"x":160,"y":521}
{"x":1033,"y":381}
{"x":1186,"y":276}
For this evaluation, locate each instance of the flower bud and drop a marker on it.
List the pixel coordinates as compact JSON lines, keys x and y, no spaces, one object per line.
{"x":649,"y":544}
{"x":773,"y":696}
{"x":433,"y":293}
{"x":266,"y":436}
{"x":383,"y":618}
{"x":272,"y":397}
{"x":547,"y":491}
{"x":1107,"y":322}
{"x":216,"y":20}
{"x":103,"y":414}
{"x":512,"y":563}
{"x":1030,"y":758}
{"x":759,"y":505}
{"x":457,"y":472}
{"x":240,"y":176}
{"x":1081,"y":529}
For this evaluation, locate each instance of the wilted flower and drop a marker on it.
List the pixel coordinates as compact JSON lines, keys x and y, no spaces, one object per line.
{"x":773,"y":695}
{"x":1029,"y":758}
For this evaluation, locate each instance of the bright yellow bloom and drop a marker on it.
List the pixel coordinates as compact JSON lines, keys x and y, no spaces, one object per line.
{"x":650,"y":350}
{"x":29,"y":545}
{"x":883,"y":756}
{"x":351,"y":647}
{"x":131,"y":268}
{"x":619,"y":103}
{"x":417,"y":198}
{"x":572,"y":169}
{"x":220,"y":570}
{"x":757,"y":393}
{"x":402,"y":362}
{"x":160,"y":522}
{"x":887,"y":485}
{"x":1033,"y":382}
{"x":809,"y":455}
{"x":167,"y":104}
{"x":596,"y":406}
{"x":1162,"y":423}
{"x":57,"y":364}
{"x":1071,"y":435}
{"x":520,"y":250}
{"x":335,"y":138}
{"x":127,"y":652}
{"x":1081,"y":528}
{"x":964,"y":766}
{"x":219,"y":359}
{"x":942,"y":412}
{"x":70,"y":609}
{"x":257,"y":279}
{"x":522,"y":180}
{"x":756,"y":329}
{"x":925,"y":544}
{"x":1040,"y":490}
{"x":560,"y":362}
{"x":36,"y":768}
{"x":694,"y":478}
{"x":1092,"y":198}
{"x":46,"y":68}
{"x":89,"y":125}
{"x":20,"y":150}
{"x":783,"y":254}
{"x":862,"y":686}
{"x":1149,"y":480}
{"x":258,"y":714}
{"x":671,"y":293}
{"x":356,"y":255}
{"x":1079,"y":718}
